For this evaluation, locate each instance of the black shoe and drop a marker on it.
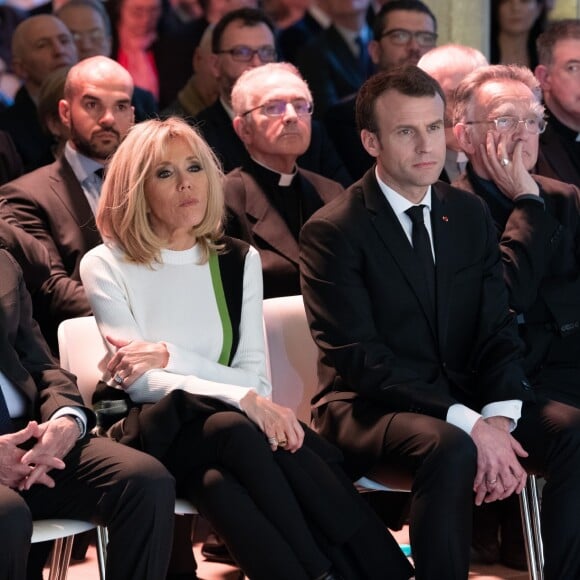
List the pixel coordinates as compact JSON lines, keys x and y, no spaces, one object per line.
{"x":214,"y":550}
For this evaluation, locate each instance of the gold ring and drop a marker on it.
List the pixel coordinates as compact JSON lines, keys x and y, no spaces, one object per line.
{"x":282,"y":443}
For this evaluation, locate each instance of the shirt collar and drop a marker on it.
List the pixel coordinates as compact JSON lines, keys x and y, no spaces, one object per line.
{"x":81,"y":165}
{"x":399,"y":203}
{"x":281,"y":179}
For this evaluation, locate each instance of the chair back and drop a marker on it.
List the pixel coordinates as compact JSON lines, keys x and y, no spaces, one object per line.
{"x":291,"y":354}
{"x":82,"y":352}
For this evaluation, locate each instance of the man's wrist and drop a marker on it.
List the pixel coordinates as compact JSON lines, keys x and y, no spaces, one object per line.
{"x":79,"y":423}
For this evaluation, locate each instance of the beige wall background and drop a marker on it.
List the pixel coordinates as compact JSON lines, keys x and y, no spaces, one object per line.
{"x":467,"y":21}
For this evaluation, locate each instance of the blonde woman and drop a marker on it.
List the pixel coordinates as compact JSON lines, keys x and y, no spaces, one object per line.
{"x":180,"y":308}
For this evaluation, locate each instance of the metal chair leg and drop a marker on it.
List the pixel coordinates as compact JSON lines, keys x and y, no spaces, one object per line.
{"x":60,"y":560}
{"x":530,"y":510}
{"x":102,"y":541}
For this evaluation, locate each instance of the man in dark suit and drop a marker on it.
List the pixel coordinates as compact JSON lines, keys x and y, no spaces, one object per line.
{"x":90,"y":26}
{"x":251,"y":31}
{"x":559,"y":54}
{"x":538,"y":224}
{"x":270,"y":197}
{"x":56,"y":203}
{"x":421,"y":382}
{"x":40,"y":45}
{"x":336,"y":62}
{"x":403,"y":31}
{"x":52,"y":468}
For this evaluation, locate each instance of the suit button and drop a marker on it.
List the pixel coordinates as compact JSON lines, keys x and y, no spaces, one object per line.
{"x":526,"y":385}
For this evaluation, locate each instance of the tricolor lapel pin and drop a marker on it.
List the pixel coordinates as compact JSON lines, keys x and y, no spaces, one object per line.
{"x":445,"y":218}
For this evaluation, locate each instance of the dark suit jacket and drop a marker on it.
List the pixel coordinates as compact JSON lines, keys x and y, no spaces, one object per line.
{"x":252,"y":218}
{"x":340,"y":122}
{"x":292,"y":38}
{"x":382,"y":348}
{"x":215,"y":125}
{"x":330,"y":69}
{"x":144,"y":103}
{"x":49,"y":203}
{"x":24,"y":356}
{"x":541,"y":256}
{"x":10,"y":162}
{"x":21,"y":121}
{"x":554,"y":158}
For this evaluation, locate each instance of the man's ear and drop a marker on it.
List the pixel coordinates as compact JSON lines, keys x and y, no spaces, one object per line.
{"x":464,"y":138}
{"x":374,"y":49}
{"x":242,"y":129}
{"x":19,"y":69}
{"x":543,"y":75}
{"x":64,"y":112}
{"x":370,"y":142}
{"x":214,"y":65}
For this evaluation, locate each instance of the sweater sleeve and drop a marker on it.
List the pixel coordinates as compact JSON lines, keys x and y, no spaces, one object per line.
{"x":187,"y":369}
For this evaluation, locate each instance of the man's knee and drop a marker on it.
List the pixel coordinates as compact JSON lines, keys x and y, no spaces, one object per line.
{"x":16,"y":521}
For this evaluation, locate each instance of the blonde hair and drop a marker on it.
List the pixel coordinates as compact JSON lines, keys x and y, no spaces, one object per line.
{"x":122,"y":215}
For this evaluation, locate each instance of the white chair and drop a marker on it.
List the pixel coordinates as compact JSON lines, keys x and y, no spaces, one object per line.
{"x":62,"y":531}
{"x":82,"y":352}
{"x":292,"y":356}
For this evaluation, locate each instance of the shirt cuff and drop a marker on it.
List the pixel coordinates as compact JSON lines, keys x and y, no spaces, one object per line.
{"x":75,"y":412}
{"x":530,"y":197}
{"x":462,"y":417}
{"x":511,"y":409}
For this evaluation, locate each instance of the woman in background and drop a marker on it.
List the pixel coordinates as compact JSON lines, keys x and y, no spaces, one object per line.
{"x":515,"y":25}
{"x":180,"y":308}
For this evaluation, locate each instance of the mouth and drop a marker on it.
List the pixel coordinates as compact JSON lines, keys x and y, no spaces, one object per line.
{"x":191,"y":202}
{"x":425,"y":164}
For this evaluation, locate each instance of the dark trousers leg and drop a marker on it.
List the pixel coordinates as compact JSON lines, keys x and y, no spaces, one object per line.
{"x":440,"y":460}
{"x":16,"y":526}
{"x":128,"y":491}
{"x":238,"y":486}
{"x":550,"y":433}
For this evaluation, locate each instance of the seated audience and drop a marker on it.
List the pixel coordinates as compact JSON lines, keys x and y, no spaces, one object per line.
{"x":559,"y":76}
{"x":403,"y":31}
{"x":421,"y":378}
{"x":270,"y":197}
{"x":201,"y":90}
{"x":515,"y":26}
{"x":499,"y":122}
{"x":201,"y":399}
{"x":56,"y":203}
{"x":449,"y":65}
{"x":90,"y":27}
{"x":53,"y":468}
{"x":336,"y":62}
{"x":40,"y":45}
{"x":241,"y":40}
{"x":10,"y":161}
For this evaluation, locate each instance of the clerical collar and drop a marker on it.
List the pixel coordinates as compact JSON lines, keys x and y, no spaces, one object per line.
{"x":275,"y":177}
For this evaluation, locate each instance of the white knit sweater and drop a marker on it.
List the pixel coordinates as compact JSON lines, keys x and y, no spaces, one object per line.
{"x":174,"y":302}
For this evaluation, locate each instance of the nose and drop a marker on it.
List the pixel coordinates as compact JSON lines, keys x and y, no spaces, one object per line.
{"x":107,"y":118}
{"x":255,"y":61}
{"x":290,"y":113}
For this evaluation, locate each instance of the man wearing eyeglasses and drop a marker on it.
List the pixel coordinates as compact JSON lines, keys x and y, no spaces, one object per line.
{"x":403,"y":31}
{"x":270,"y":197}
{"x":244,"y":39}
{"x":499,"y":120}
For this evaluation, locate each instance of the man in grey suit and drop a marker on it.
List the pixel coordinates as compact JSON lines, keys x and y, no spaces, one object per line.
{"x":56,"y":203}
{"x":270,"y":197}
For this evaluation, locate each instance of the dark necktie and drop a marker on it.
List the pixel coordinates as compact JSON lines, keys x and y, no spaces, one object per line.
{"x":5,"y":422}
{"x":363,"y":57}
{"x":422,"y":247}
{"x":100,"y":173}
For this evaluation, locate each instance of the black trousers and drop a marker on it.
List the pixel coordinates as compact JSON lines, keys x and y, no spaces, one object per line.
{"x":126,"y":490}
{"x":283,"y":515}
{"x":437,"y":461}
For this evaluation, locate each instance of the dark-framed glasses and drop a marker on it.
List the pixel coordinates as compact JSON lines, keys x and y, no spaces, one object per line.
{"x":277,"y":107}
{"x":242,"y":53}
{"x":509,"y":123}
{"x":402,"y":36}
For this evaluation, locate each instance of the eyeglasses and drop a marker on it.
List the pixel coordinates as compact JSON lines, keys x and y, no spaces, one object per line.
{"x":244,"y":53}
{"x":509,"y":123}
{"x":401,"y":36}
{"x":95,"y":36}
{"x":277,"y":108}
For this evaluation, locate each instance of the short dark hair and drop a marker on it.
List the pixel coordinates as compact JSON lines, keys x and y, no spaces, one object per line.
{"x":247,"y":16}
{"x":388,"y":7}
{"x":556,"y":31}
{"x":408,"y":80}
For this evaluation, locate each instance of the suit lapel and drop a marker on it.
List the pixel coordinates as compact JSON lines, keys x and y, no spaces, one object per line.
{"x":268,"y":224}
{"x":556,"y":156}
{"x":397,"y":244}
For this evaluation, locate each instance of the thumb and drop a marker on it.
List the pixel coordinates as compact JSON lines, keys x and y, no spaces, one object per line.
{"x":117,"y":342}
